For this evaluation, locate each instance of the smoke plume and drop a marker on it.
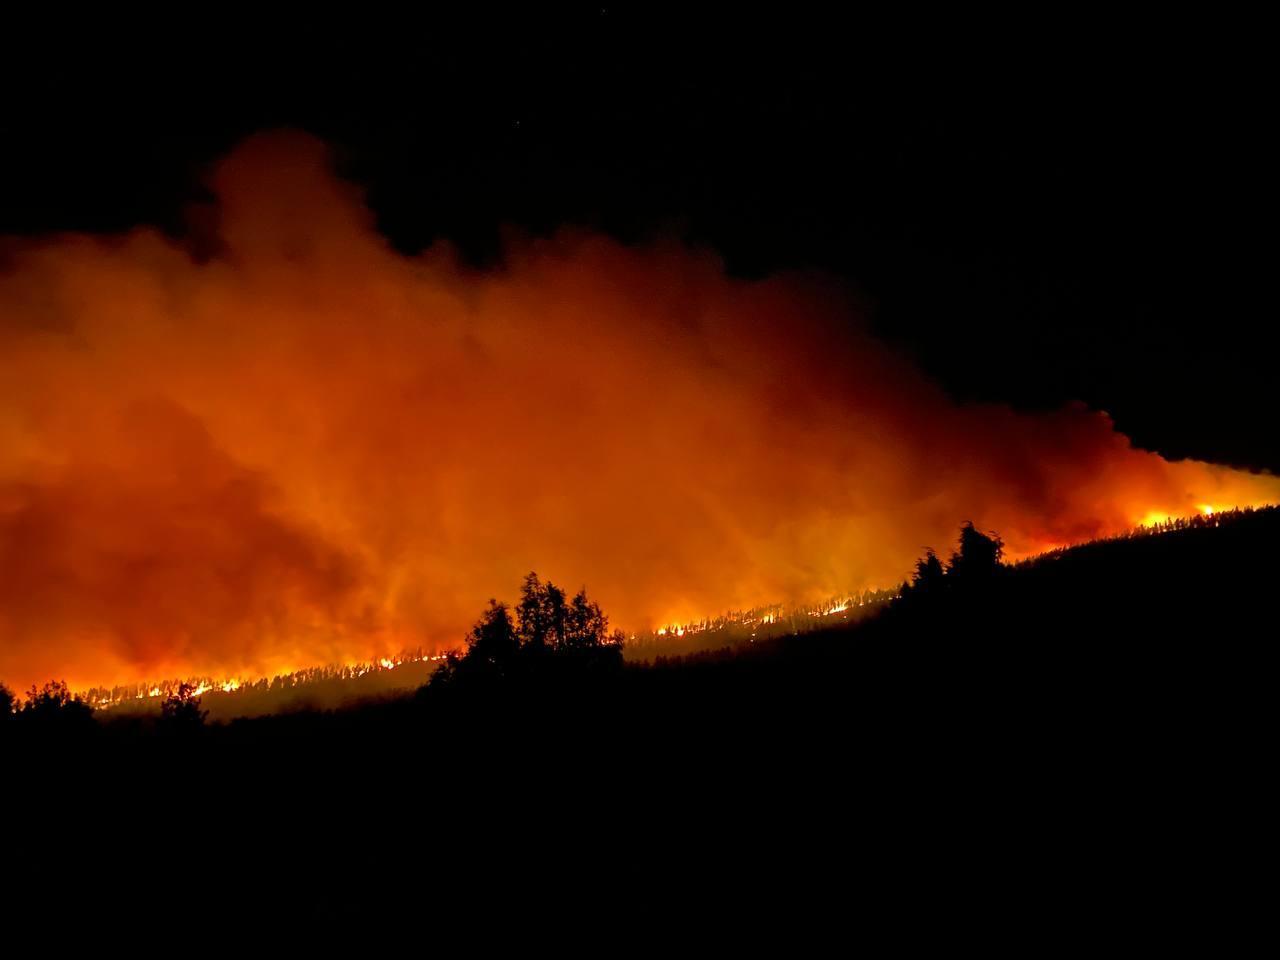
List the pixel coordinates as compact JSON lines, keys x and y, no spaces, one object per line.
{"x":308,"y":447}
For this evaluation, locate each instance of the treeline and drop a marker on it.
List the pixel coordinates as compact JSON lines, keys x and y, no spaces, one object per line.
{"x":1127,"y":605}
{"x":548,"y":631}
{"x":991,"y":696}
{"x":54,"y":712}
{"x":1127,"y":602}
{"x":737,"y":628}
{"x":51,"y":709}
{"x":126,"y":693}
{"x":979,"y":557}
{"x":1209,"y":521}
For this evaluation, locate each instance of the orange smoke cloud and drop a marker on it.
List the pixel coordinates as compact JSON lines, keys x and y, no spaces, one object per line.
{"x":309,"y":448}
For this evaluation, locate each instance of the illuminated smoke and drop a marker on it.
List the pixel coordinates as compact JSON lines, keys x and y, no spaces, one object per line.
{"x":309,"y":448}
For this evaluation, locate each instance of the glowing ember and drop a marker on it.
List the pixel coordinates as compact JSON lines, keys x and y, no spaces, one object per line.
{"x":104,"y":698}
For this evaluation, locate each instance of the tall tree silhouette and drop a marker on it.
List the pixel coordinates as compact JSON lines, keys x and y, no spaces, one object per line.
{"x":557,"y":614}
{"x":7,"y":704}
{"x":928,"y":578}
{"x":978,"y":557}
{"x":493,"y":641}
{"x":586,"y":623}
{"x":532,"y":616}
{"x":542,"y":615}
{"x":492,"y":648}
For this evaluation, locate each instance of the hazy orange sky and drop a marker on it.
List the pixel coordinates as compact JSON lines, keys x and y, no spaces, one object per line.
{"x":308,"y":448}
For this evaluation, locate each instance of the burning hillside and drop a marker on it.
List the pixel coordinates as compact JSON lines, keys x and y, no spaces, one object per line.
{"x":302,"y":447}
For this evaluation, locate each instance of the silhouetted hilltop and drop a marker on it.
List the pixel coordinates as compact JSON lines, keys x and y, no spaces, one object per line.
{"x":1103,"y":704}
{"x":1173,"y":623}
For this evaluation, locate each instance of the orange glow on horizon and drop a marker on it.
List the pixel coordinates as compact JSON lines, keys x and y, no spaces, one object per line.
{"x":311,"y":449}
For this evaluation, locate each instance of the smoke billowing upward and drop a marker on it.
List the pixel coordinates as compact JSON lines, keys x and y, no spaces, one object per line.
{"x":309,"y":448}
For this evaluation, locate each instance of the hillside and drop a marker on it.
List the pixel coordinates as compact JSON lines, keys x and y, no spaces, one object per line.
{"x":318,"y":688}
{"x":1174,"y":622}
{"x":1111,"y":700}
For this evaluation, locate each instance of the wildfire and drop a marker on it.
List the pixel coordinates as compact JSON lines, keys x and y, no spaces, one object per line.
{"x":104,"y":699}
{"x":310,"y":448}
{"x":794,"y":617}
{"x":746,"y":624}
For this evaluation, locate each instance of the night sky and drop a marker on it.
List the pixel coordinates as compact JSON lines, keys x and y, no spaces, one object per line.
{"x":1038,"y":212}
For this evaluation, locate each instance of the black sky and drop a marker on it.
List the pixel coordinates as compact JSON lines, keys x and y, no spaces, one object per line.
{"x":1039,"y":212}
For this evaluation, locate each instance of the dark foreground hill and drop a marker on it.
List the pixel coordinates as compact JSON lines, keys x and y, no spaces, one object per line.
{"x":1120,"y":654}
{"x":1101,"y":713}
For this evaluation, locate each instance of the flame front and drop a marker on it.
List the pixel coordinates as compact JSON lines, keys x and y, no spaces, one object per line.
{"x":309,"y":448}
{"x":107,"y":698}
